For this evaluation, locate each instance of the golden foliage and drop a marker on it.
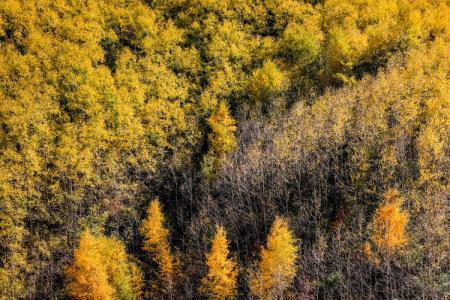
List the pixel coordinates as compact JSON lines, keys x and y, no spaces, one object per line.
{"x":157,"y":245}
{"x":101,"y":270}
{"x":88,"y":276}
{"x":301,"y":44}
{"x":96,"y":97}
{"x":266,"y":82}
{"x":222,"y":139}
{"x":89,"y":92}
{"x":367,"y":30}
{"x":277,"y":265}
{"x":388,"y":235}
{"x":220,"y":282}
{"x":389,"y":224}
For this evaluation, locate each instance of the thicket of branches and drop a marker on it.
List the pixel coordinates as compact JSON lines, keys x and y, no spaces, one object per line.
{"x":298,"y":149}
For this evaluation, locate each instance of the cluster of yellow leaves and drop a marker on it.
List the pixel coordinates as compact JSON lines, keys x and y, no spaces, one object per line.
{"x":89,"y":91}
{"x":220,"y":282}
{"x":365,"y":30}
{"x":389,"y":224}
{"x":277,"y":265}
{"x":101,"y":270}
{"x":301,"y":43}
{"x":266,"y":82}
{"x":157,"y":245}
{"x":222,"y":139}
{"x":388,"y":228}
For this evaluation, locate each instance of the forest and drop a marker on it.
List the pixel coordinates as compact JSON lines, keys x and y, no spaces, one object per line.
{"x":224,"y":149}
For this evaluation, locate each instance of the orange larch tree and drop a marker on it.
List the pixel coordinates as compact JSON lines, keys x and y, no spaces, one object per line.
{"x":157,"y":246}
{"x":388,"y":228}
{"x":102,"y":270}
{"x":220,"y":282}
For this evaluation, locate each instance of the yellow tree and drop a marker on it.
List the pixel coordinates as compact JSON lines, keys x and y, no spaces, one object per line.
{"x":220,"y":282}
{"x":87,"y":276}
{"x":222,"y":139}
{"x":156,"y":244}
{"x":276,"y":268}
{"x":101,"y":270}
{"x":266,"y":82}
{"x":389,"y":227}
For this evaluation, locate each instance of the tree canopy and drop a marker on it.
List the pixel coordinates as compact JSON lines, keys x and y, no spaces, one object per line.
{"x":228,"y":112}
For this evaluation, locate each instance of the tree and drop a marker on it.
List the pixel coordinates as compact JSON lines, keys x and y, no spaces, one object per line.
{"x":301,"y":44}
{"x":101,"y":269}
{"x":266,"y":82}
{"x":156,"y":244}
{"x":389,"y":223}
{"x":220,"y":282}
{"x":222,"y":139}
{"x":388,"y":228}
{"x":276,"y":267}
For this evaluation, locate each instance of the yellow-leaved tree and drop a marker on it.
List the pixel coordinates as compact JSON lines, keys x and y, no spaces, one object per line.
{"x":157,"y":245}
{"x":102,"y":270}
{"x":388,"y":228}
{"x":222,"y":139}
{"x":267,"y":82}
{"x":220,"y":282}
{"x":277,"y":266}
